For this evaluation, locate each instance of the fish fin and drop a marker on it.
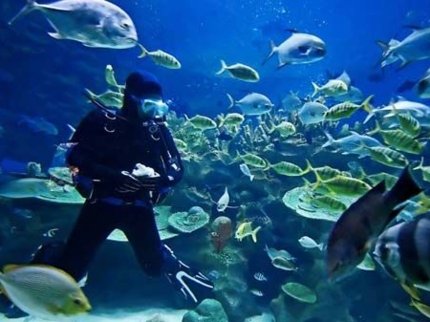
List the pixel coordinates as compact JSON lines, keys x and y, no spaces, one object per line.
{"x":404,"y":189}
{"x":308,"y":168}
{"x":371,"y":113}
{"x":411,"y":290}
{"x":329,"y":138}
{"x":144,"y":51}
{"x":273,"y":50}
{"x":232,"y":102}
{"x":420,"y":165}
{"x":223,"y":68}
{"x":383,"y":45}
{"x":251,"y":177}
{"x":366,"y":104}
{"x":57,"y":35}
{"x":254,"y":234}
{"x":316,"y":89}
{"x":29,"y":7}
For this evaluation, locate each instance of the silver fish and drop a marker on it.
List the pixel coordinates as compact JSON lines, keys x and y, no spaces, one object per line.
{"x":416,"y":109}
{"x":299,"y":48}
{"x":312,"y":112}
{"x":94,"y":23}
{"x":414,"y":47}
{"x":252,"y":104}
{"x":245,"y":170}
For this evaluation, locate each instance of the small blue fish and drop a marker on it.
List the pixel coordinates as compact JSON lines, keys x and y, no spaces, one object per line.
{"x":245,"y":170}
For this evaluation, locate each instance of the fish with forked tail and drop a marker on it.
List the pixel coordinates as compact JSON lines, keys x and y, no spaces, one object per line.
{"x":299,"y":48}
{"x":94,"y":23}
{"x":357,"y":228}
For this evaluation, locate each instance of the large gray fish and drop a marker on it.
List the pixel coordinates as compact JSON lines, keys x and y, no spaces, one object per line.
{"x":354,"y":233}
{"x":252,"y":104}
{"x":300,"y":48}
{"x":403,"y":251}
{"x":414,"y":47}
{"x":94,"y":23}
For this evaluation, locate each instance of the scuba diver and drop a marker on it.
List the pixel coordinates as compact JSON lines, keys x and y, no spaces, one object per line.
{"x":124,"y":164}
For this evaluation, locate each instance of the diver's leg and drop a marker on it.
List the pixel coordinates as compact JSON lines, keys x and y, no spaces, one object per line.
{"x":156,"y":258}
{"x":94,"y":224}
{"x":141,"y":231}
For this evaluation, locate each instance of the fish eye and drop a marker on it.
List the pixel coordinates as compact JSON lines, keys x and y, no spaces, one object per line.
{"x":77,"y":302}
{"x":125,"y":25}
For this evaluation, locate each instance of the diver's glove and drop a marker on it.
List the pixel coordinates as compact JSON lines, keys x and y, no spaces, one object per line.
{"x":147,"y":176}
{"x":128,"y":183}
{"x":189,"y":282}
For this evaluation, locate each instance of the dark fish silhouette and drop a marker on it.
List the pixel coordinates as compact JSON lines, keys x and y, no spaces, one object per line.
{"x":353,"y":234}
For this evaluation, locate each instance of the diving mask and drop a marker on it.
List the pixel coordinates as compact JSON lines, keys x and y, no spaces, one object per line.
{"x":153,"y":108}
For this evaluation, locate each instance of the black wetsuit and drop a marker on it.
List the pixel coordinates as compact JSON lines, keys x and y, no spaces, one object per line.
{"x":103,"y":148}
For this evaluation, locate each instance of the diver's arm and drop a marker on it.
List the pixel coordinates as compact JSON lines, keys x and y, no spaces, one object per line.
{"x":172,"y":158}
{"x":82,"y":155}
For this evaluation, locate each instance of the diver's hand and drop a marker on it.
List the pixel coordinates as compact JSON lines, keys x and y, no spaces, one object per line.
{"x":151,"y":184}
{"x":128,"y":183}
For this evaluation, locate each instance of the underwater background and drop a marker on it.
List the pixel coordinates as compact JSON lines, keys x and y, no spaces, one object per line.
{"x":44,"y":77}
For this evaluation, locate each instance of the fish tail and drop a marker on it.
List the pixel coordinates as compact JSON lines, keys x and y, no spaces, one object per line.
{"x":223,"y":68}
{"x":186,"y":118}
{"x":329,"y":138}
{"x":273,"y":50}
{"x":29,"y":7}
{"x":316,"y":89}
{"x":268,"y":166}
{"x":371,"y":113}
{"x":318,"y":182}
{"x":144,"y":51}
{"x":232,"y":102}
{"x":375,"y":130}
{"x":251,"y":177}
{"x":404,"y":189}
{"x":320,"y":246}
{"x":419,"y":166}
{"x":308,"y":168}
{"x":366,"y":104}
{"x":254,"y":234}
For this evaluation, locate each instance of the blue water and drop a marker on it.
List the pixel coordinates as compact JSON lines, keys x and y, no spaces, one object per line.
{"x":41,"y":76}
